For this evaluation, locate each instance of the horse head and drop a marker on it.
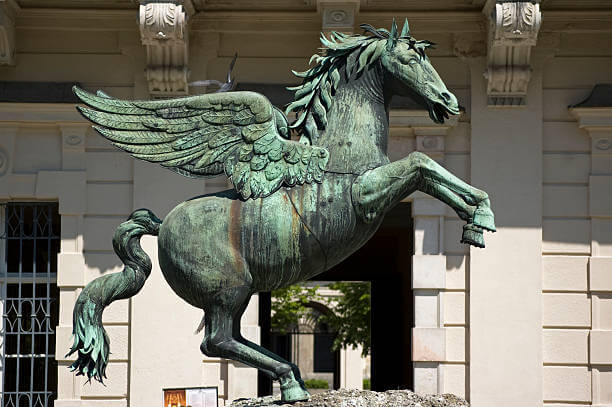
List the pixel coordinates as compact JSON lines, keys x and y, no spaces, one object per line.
{"x":409,"y":72}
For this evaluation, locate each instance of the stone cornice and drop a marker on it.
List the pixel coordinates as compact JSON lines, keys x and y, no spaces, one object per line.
{"x":593,"y":118}
{"x":39,"y":113}
{"x":576,"y":21}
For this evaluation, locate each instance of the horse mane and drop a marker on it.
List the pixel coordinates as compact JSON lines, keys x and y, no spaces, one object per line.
{"x":348,"y":54}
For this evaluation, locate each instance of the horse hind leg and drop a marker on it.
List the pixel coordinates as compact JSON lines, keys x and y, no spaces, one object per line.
{"x":222,"y":339}
{"x":261,"y":349}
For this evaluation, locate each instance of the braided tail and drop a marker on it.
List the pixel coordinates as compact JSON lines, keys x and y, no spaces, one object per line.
{"x":90,"y":339}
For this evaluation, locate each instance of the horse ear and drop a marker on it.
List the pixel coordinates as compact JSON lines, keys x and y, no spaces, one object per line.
{"x":392,"y":36}
{"x":405,"y":30}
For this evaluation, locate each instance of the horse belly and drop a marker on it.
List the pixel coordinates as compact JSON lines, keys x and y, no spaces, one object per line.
{"x":328,"y":212}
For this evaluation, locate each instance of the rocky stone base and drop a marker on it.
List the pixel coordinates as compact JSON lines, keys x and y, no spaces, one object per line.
{"x":360,"y":398}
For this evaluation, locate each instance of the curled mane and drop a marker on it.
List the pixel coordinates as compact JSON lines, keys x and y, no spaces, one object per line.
{"x":343,"y":54}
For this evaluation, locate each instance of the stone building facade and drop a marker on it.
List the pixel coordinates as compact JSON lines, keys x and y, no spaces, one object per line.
{"x":526,"y":322}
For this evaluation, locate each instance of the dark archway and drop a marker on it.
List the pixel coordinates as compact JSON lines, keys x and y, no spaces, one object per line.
{"x":385,"y":261}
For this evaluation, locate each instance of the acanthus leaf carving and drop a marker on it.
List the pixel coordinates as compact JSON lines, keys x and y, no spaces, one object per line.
{"x":163,"y":31}
{"x":513,"y":30}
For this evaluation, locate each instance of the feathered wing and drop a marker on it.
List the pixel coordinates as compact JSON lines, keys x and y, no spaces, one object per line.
{"x":236,"y":133}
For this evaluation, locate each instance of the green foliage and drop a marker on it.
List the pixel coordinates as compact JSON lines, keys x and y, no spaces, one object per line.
{"x":351,"y":318}
{"x":316,"y":384}
{"x":289,"y":304}
{"x":366,"y":384}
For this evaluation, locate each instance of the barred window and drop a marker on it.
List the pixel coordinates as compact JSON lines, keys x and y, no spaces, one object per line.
{"x":29,"y":244}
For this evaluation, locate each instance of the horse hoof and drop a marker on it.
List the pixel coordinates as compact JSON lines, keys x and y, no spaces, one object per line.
{"x":484,"y":218}
{"x":472,"y":235}
{"x":294,"y":391}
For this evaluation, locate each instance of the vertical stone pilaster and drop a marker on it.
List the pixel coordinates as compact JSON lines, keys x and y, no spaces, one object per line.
{"x":597,"y":121}
{"x":429,"y":349}
{"x":505,"y":307}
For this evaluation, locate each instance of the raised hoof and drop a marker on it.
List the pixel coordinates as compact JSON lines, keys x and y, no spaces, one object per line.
{"x":293,"y":391}
{"x":472,"y":235}
{"x":484,"y":218}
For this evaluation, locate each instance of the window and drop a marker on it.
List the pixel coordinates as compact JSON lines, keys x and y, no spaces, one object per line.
{"x":29,"y":244}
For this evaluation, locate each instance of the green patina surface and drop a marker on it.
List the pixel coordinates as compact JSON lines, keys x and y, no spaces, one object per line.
{"x":297,"y":208}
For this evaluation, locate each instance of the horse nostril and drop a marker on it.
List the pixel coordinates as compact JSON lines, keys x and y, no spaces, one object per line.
{"x":446,"y":96}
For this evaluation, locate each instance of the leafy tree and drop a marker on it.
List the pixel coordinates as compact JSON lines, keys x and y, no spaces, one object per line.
{"x":351,"y":317}
{"x":289,"y":304}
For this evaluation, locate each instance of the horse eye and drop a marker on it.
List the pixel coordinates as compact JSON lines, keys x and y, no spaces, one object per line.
{"x":413,"y":61}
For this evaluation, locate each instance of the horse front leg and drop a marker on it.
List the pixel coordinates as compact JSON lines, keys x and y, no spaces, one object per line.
{"x":378,"y":190}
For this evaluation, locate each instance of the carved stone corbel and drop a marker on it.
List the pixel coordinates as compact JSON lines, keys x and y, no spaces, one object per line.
{"x":8,"y":12}
{"x":513,"y":30}
{"x":338,"y":15}
{"x":163,"y":31}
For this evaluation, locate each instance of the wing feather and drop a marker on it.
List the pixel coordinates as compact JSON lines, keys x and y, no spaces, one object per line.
{"x":237,"y":133}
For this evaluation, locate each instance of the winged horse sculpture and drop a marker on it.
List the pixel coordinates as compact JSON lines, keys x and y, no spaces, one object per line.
{"x":297,"y":207}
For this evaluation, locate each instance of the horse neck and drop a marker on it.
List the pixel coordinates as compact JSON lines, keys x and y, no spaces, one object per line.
{"x":357,"y":124}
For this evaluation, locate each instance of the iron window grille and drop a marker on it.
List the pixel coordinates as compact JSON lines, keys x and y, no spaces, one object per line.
{"x":29,"y":244}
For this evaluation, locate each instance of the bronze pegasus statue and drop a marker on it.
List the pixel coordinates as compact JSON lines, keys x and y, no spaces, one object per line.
{"x":297,"y":207}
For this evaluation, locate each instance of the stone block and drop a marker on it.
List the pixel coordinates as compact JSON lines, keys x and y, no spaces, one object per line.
{"x":454,"y":308}
{"x":109,"y":199}
{"x":99,"y":231}
{"x":426,"y":308}
{"x":98,"y":264}
{"x":602,"y":386}
{"x":63,"y":341}
{"x":455,"y":344}
{"x":564,"y":273}
{"x":566,"y":167}
{"x":571,"y":236}
{"x":428,"y":344}
{"x":601,"y":351}
{"x":428,"y":271}
{"x":456,"y":272}
{"x":426,"y":235}
{"x":115,"y":386}
{"x":565,"y":346}
{"x":602,"y":236}
{"x":109,"y":166}
{"x":568,"y":384}
{"x":426,"y":377}
{"x":600,"y":195}
{"x":565,"y":201}
{"x":454,"y":379}
{"x":66,"y":186}
{"x":459,"y":165}
{"x":563,"y":136}
{"x":602,"y":311}
{"x":67,"y":299}
{"x":600,"y":273}
{"x":71,"y":267}
{"x":119,"y":342}
{"x":566,"y":310}
{"x":428,"y":207}
{"x":458,"y":139}
{"x":71,"y":233}
{"x":453,"y":229}
{"x":66,"y":388}
{"x":117,"y":312}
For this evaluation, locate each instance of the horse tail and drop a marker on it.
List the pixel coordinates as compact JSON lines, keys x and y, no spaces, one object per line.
{"x":90,"y":339}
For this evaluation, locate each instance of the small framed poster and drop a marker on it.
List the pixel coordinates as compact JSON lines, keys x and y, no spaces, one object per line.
{"x":191,"y":397}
